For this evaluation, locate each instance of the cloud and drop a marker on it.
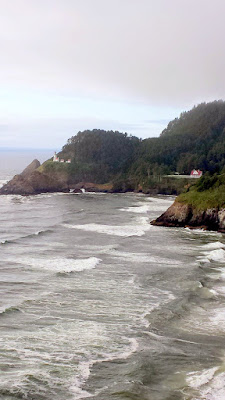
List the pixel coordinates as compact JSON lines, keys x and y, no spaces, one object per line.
{"x":160,"y":52}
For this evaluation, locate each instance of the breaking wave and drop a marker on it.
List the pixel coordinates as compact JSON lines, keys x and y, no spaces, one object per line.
{"x":7,"y":309}
{"x":210,"y":383}
{"x":213,"y":246}
{"x":217,"y":255}
{"x":61,"y":265}
{"x":37,"y":233}
{"x":138,"y":229}
{"x":137,"y":209}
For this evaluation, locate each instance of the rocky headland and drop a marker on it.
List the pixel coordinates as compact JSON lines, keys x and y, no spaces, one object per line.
{"x":184,"y":215}
{"x":202,"y":206}
{"x":36,"y":179}
{"x":32,"y":181}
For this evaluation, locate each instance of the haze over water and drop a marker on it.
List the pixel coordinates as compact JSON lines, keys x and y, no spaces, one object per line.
{"x":95,"y":302}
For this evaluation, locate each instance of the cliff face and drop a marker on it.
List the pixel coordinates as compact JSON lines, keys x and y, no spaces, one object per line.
{"x":181,"y":214}
{"x":30,"y":168}
{"x":54,"y":178}
{"x":32,"y":181}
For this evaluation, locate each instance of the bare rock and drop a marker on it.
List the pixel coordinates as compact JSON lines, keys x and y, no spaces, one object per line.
{"x":177,"y":215}
{"x":30,"y":168}
{"x":221,"y":218}
{"x":182,"y":214}
{"x":33,"y":182}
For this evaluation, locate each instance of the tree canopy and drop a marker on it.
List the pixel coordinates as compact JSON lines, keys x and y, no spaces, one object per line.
{"x":194,"y":140}
{"x":105,"y":152}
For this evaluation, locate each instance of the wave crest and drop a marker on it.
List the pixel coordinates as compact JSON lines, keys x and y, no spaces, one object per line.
{"x":61,"y":265}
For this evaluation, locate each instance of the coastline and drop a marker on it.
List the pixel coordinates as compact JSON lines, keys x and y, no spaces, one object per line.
{"x":185,"y":215}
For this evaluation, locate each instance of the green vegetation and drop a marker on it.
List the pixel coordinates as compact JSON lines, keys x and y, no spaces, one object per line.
{"x":194,"y":140}
{"x":209,"y":192}
{"x":100,"y":155}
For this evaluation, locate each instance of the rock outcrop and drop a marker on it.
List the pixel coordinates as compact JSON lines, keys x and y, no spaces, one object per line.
{"x":30,"y":168}
{"x":92,"y":187}
{"x":31,"y":181}
{"x":183,"y":214}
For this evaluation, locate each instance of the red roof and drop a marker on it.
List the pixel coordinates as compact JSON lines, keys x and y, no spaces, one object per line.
{"x":196,"y":172}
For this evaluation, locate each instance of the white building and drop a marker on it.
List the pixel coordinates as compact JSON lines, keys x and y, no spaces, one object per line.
{"x":55,"y":158}
{"x":61,"y":160}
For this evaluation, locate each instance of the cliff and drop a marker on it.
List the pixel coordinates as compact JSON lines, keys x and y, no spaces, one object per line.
{"x":184,"y":215}
{"x":30,"y":168}
{"x":32,"y":181}
{"x":49,"y":177}
{"x":201,"y":207}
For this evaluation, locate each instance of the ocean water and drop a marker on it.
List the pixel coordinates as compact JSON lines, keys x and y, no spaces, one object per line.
{"x":97,"y":303}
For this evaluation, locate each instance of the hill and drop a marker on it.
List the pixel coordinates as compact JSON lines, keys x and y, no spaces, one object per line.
{"x":194,"y":140}
{"x":99,"y":155}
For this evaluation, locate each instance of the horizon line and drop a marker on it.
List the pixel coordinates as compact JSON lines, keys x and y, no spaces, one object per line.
{"x":2,"y":149}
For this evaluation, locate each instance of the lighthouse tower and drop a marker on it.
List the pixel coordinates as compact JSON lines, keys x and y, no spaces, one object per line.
{"x":55,"y":158}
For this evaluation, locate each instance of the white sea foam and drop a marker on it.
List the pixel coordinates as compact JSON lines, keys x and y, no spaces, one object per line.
{"x":137,"y":209}
{"x":162,"y":200}
{"x":217,"y":255}
{"x":213,"y":246}
{"x":141,"y":257}
{"x":138,"y":229}
{"x":198,"y":378}
{"x":210,"y":383}
{"x":84,"y":368}
{"x":159,"y":204}
{"x":63,"y":265}
{"x":3,"y":182}
{"x":202,"y":232}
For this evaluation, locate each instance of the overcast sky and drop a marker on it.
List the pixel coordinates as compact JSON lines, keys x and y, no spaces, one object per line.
{"x":128,"y":65}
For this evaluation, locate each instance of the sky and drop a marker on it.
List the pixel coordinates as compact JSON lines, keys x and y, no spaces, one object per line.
{"x":127,"y":65}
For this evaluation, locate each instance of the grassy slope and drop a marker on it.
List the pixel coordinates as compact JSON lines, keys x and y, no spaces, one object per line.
{"x":209,"y":192}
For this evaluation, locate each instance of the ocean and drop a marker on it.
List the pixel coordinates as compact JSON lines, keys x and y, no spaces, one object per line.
{"x":97,"y":303}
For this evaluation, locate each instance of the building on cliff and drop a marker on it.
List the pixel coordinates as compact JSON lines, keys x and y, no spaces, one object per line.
{"x":61,"y":160}
{"x":196,"y":173}
{"x":55,"y":158}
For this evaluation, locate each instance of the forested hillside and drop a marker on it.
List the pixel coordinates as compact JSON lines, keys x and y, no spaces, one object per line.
{"x":194,"y":140}
{"x":99,"y":155}
{"x":123,"y":162}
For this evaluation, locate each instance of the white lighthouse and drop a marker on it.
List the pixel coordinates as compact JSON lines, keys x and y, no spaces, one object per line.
{"x":55,"y":158}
